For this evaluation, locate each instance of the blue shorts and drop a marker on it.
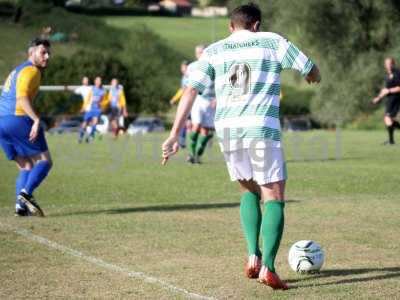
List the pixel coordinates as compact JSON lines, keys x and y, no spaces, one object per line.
{"x":14,"y":137}
{"x":89,"y":115}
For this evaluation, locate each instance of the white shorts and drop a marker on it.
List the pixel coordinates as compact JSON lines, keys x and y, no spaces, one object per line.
{"x":202,"y":112}
{"x":262,"y":165}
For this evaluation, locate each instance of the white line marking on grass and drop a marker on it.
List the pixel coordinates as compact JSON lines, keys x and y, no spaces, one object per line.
{"x":101,"y":263}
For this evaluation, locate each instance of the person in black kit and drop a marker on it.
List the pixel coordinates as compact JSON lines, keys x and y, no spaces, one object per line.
{"x":392,"y":92}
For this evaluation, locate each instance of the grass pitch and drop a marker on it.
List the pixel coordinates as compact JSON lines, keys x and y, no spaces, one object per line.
{"x":14,"y":51}
{"x":182,"y":34}
{"x":180,"y":223}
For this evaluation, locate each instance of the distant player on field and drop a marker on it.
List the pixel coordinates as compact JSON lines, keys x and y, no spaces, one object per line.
{"x":116,"y":100}
{"x":84,"y":89}
{"x":202,"y":114}
{"x":92,"y":108}
{"x":246,"y":69}
{"x":21,"y":137}
{"x":392,"y":93}
{"x":177,"y":97}
{"x":184,"y":79}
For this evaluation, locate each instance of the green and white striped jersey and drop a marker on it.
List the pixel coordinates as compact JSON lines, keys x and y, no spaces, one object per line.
{"x":245,"y":68}
{"x":208,"y":92}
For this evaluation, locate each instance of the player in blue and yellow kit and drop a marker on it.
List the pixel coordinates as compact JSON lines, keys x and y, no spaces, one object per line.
{"x":116,"y":100}
{"x":21,"y":137}
{"x":92,"y":107}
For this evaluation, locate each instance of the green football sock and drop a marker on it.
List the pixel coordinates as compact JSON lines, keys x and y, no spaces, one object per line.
{"x":202,"y":143}
{"x":271,"y":231}
{"x":250,"y":217}
{"x":193,"y":142}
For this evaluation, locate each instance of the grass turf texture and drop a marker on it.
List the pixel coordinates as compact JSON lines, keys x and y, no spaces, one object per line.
{"x":180,"y":223}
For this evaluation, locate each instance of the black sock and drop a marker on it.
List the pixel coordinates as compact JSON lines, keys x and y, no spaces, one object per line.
{"x":390,"y":130}
{"x":396,"y":125}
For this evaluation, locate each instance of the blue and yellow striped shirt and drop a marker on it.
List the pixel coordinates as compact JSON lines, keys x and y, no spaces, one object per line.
{"x":23,"y":81}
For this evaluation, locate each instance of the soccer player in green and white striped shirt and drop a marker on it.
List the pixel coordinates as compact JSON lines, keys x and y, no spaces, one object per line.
{"x":245,"y":68}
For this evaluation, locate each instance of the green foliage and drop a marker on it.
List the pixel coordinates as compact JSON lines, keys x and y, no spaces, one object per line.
{"x":89,"y":31}
{"x":6,"y":9}
{"x":196,"y":30}
{"x":347,"y":93}
{"x":368,"y":121}
{"x":295,"y":101}
{"x":151,"y":65}
{"x":144,"y":64}
{"x":144,"y":67}
{"x":136,"y":3}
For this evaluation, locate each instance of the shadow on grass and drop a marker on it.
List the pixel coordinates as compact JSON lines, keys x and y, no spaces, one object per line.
{"x":390,"y":272}
{"x":329,"y":159}
{"x":158,"y":208}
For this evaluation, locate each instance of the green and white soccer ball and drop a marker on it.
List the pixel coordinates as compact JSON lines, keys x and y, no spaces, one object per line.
{"x":306,"y":257}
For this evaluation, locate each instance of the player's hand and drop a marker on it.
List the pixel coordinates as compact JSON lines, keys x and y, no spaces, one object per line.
{"x":34,"y":131}
{"x":384,"y":92}
{"x":169,"y":148}
{"x":376,"y":100}
{"x":314,"y":76}
{"x":313,"y":79}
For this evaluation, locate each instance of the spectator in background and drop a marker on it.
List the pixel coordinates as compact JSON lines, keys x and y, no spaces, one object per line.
{"x":117,"y":102}
{"x":392,"y":93}
{"x":46,"y":32}
{"x":92,"y":107}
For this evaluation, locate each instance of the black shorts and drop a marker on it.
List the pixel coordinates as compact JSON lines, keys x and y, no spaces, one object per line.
{"x":392,"y":107}
{"x":115,"y":113}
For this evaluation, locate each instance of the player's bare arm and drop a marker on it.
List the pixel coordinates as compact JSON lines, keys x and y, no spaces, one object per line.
{"x":170,"y":145}
{"x":394,"y":90}
{"x":27,"y":107}
{"x":383,"y":93}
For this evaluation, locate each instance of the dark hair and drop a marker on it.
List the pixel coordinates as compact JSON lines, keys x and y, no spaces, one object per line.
{"x":245,"y":16}
{"x":39,"y":41}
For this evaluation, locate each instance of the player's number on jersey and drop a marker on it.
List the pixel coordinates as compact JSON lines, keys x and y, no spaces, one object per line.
{"x":7,"y":84}
{"x":239,"y":80}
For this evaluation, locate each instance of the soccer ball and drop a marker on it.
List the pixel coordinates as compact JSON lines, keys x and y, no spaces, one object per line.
{"x":306,"y":257}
